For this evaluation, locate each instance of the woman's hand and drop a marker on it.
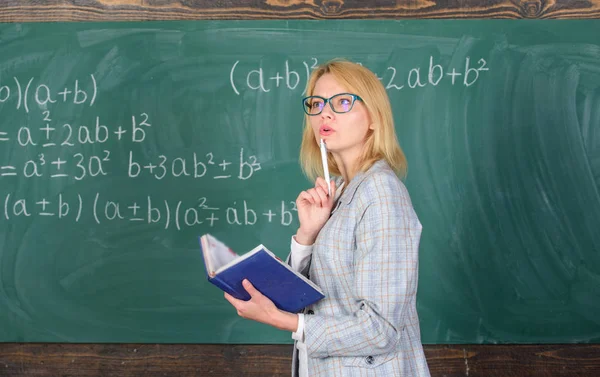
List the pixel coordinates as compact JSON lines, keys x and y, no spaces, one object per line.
{"x":314,"y":208}
{"x":259,"y":308}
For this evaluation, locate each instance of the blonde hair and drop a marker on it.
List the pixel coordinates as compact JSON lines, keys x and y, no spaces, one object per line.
{"x":381,"y":142}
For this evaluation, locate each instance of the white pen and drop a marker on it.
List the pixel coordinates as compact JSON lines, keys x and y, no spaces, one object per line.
{"x":325,"y":166}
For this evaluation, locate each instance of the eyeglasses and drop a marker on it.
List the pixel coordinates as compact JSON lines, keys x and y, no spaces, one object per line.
{"x":340,"y":103}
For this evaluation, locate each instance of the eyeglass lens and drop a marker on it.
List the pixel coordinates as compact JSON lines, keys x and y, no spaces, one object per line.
{"x":340,"y":103}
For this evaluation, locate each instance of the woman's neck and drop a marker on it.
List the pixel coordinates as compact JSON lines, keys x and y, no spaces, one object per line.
{"x":347,"y":168}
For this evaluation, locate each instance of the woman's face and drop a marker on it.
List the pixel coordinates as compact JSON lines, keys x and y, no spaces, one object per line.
{"x":345,"y":133}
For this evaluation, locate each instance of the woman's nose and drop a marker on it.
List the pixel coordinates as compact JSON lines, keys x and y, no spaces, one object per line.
{"x":327,"y":111}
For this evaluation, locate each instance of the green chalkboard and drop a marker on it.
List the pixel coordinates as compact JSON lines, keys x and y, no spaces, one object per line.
{"x":121,"y":143}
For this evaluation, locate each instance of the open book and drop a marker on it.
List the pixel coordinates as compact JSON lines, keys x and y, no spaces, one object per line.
{"x":288,"y":289}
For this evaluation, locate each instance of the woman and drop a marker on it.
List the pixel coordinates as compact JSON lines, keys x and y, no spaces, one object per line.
{"x":359,"y":244}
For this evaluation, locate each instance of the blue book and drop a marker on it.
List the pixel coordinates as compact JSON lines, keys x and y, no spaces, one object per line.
{"x":288,"y":289}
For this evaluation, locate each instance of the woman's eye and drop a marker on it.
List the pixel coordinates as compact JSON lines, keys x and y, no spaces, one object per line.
{"x":344,"y":100}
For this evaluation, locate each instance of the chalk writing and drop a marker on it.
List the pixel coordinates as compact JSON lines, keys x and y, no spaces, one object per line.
{"x":27,"y":92}
{"x":295,"y":78}
{"x":82,"y":149}
{"x":176,"y":214}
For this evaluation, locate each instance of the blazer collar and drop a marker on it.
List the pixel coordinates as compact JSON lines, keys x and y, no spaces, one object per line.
{"x":355,"y":182}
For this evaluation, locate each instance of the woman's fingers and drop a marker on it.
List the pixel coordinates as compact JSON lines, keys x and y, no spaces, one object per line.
{"x":253,"y":292}
{"x":232,"y":300}
{"x":319,"y":195}
{"x":313,"y":196}
{"x":322,"y":183}
{"x":333,"y":188}
{"x":305,"y":196}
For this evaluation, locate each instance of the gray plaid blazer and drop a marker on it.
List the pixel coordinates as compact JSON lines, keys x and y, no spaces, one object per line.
{"x":365,"y":259}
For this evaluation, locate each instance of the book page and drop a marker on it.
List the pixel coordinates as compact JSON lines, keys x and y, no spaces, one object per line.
{"x":238,"y":259}
{"x":219,"y":254}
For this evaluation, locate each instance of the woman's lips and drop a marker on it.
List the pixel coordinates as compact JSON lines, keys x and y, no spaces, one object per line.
{"x":325,"y":131}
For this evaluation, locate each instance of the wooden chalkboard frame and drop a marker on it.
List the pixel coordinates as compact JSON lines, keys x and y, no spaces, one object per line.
{"x":147,"y":360}
{"x":141,"y":10}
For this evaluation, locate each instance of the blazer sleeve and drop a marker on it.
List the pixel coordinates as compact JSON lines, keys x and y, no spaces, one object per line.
{"x":386,"y":274}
